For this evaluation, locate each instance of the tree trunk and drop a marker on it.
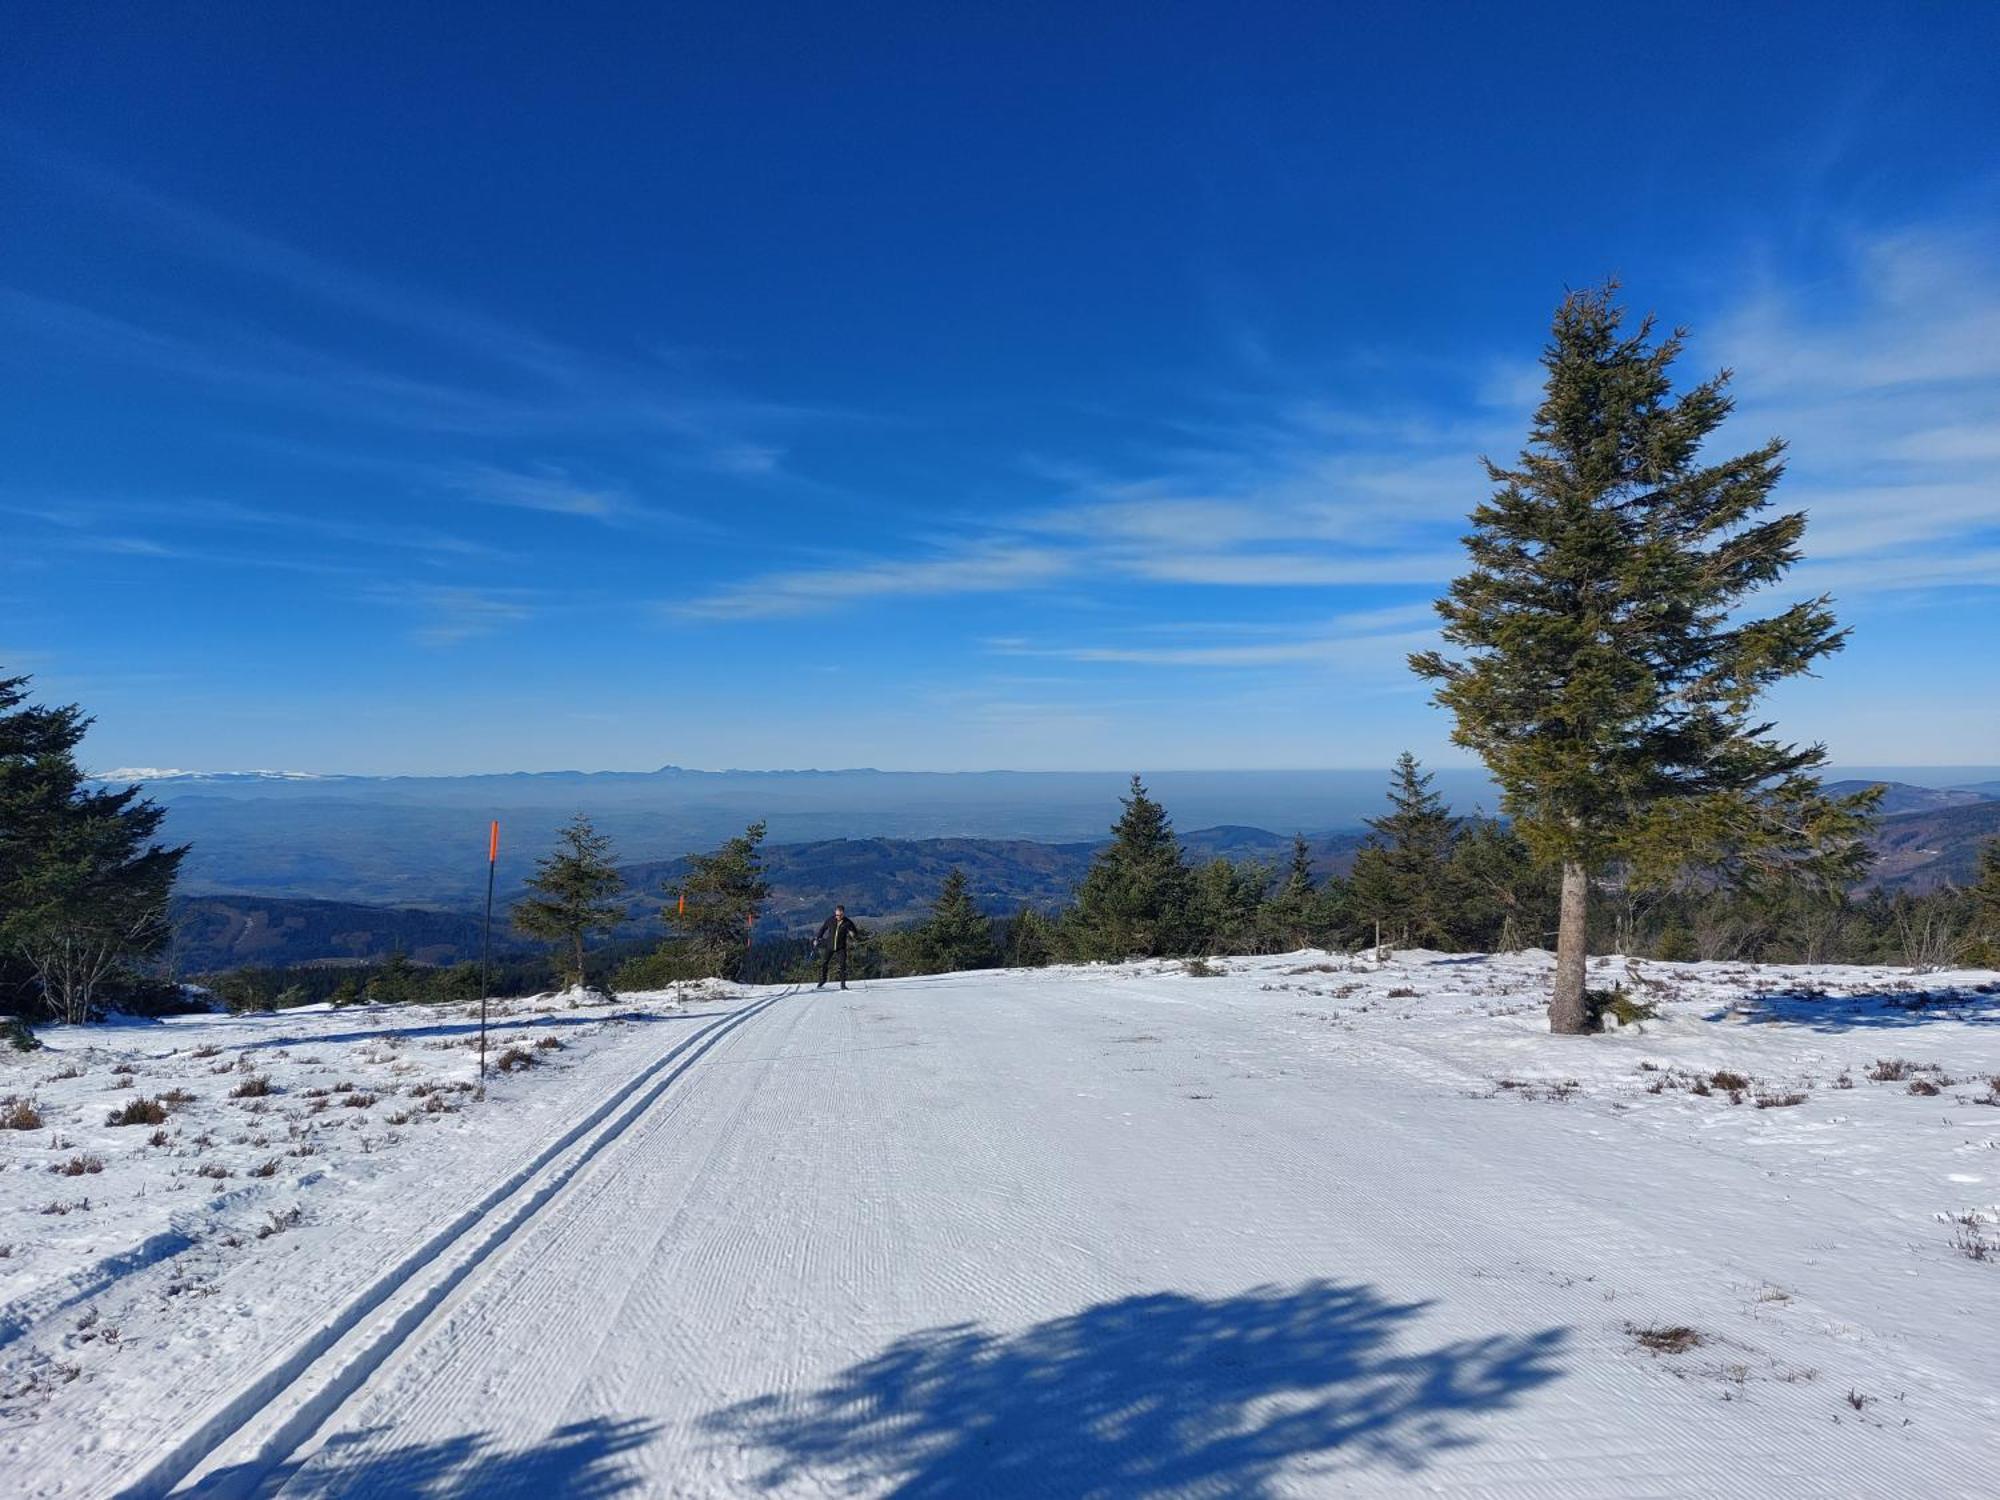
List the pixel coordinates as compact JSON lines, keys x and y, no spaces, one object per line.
{"x":1568,"y":1015}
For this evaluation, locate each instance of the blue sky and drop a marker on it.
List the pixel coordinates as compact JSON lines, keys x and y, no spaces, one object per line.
{"x":459,"y":388}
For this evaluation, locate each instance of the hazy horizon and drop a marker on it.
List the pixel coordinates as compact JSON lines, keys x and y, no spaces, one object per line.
{"x":1941,"y":774}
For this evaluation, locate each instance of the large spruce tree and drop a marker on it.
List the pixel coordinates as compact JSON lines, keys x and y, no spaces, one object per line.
{"x":1136,"y":899}
{"x":1402,"y":874}
{"x":84,"y":882}
{"x":577,"y":891}
{"x":1612,"y":676}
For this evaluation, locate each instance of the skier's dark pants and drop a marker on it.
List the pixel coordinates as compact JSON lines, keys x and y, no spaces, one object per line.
{"x":826,"y":962}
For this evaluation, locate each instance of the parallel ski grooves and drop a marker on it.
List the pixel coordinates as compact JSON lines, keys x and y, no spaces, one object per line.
{"x":164,"y":1473}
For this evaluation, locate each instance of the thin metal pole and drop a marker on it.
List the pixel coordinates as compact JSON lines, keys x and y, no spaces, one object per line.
{"x":486,"y":949}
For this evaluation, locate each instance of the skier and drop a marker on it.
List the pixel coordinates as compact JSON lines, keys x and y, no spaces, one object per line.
{"x":833,"y":937}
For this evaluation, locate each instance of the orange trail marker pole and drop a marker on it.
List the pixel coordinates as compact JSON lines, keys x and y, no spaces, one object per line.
{"x":486,"y":947}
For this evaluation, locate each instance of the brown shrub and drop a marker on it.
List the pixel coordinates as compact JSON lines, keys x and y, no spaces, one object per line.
{"x":19,"y":1114}
{"x":139,"y":1111}
{"x":1675,"y":1339}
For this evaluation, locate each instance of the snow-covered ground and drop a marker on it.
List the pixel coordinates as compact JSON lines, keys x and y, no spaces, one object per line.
{"x":1308,"y":1226}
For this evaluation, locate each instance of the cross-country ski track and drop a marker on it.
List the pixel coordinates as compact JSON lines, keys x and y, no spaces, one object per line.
{"x":1310,"y":1227}
{"x":269,"y":1422}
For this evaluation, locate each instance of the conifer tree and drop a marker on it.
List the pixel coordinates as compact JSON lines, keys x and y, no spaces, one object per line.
{"x":715,"y":906}
{"x":85,"y":885}
{"x":1333,"y":912}
{"x":395,"y":982}
{"x":1402,"y":875}
{"x":1135,"y":900}
{"x":1610,"y":681}
{"x":1293,"y":913}
{"x":956,"y":935}
{"x":1031,"y":939}
{"x":1986,"y":893}
{"x":1502,"y":901}
{"x":1227,"y":906}
{"x":576,"y":892}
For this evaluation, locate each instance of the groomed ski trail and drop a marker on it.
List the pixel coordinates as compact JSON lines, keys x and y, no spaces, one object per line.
{"x":1116,"y":1232}
{"x":241,"y":1444}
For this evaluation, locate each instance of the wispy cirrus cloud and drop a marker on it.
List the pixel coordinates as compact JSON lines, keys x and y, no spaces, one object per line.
{"x":1352,"y":640}
{"x":554,"y":490}
{"x":96,"y":518}
{"x":547,"y":489}
{"x":447,"y":615}
{"x":445,"y":369}
{"x":1887,"y":387}
{"x":993,"y":569}
{"x":1889,"y":393}
{"x":203,"y":235}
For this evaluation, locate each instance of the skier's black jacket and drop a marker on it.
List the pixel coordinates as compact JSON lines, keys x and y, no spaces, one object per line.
{"x":837,"y":930}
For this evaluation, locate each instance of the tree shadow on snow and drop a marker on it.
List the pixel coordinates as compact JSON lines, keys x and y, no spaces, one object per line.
{"x":576,"y":1461}
{"x":1154,"y":1395}
{"x":1886,"y":1009}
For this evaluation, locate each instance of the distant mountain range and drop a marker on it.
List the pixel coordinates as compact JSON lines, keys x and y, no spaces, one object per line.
{"x":421,"y":841}
{"x":288,"y":867}
{"x":882,"y":881}
{"x":1902,"y":797}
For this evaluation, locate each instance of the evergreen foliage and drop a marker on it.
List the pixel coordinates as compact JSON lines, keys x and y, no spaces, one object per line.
{"x":1402,"y":875}
{"x":1030,"y":941}
{"x":1611,"y":682}
{"x":576,"y":893}
{"x":1987,"y":891}
{"x":1985,"y":898}
{"x":1135,"y":900}
{"x":1227,"y":907}
{"x":84,"y":881}
{"x":956,"y":935}
{"x":713,"y":911}
{"x":1294,"y":915}
{"x":1502,"y":900}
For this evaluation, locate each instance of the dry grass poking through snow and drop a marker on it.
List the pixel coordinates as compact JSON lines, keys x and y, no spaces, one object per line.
{"x":218,"y":1136}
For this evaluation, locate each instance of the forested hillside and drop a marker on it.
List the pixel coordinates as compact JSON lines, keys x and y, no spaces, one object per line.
{"x":218,"y":932}
{"x":891,"y":880}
